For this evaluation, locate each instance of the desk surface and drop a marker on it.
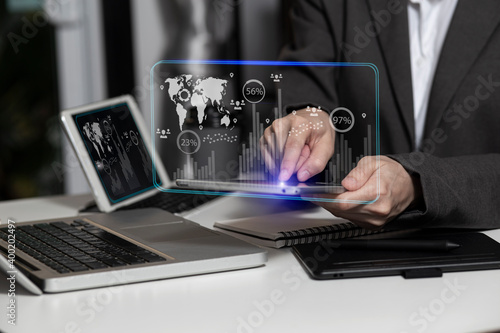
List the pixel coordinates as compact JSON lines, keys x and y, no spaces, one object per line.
{"x":278,"y":297}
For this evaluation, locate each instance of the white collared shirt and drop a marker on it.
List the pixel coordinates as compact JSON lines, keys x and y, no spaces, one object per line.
{"x":428,"y":22}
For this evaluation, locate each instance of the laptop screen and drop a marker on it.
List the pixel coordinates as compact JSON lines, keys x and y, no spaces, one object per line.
{"x":117,"y":150}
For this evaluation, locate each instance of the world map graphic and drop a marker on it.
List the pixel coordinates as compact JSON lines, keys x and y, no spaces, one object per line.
{"x":188,"y":91}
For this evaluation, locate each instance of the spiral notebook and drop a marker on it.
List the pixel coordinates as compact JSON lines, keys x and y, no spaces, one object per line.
{"x":291,"y":228}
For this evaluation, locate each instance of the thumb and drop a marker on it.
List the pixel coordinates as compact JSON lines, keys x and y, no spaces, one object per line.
{"x":358,"y":176}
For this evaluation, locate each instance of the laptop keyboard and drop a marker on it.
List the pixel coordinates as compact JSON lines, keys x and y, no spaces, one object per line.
{"x":173,"y":202}
{"x":77,"y":247}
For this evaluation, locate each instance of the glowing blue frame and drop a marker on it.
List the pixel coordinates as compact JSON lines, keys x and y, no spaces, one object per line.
{"x":270,"y":63}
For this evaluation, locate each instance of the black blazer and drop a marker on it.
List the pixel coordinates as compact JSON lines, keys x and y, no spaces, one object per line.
{"x":459,"y":160}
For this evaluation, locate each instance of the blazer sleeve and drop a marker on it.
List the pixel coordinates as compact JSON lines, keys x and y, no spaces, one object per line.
{"x":451,"y":193}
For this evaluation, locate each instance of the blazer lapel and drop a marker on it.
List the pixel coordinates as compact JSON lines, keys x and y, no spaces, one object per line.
{"x":394,"y":41}
{"x":472,"y":24}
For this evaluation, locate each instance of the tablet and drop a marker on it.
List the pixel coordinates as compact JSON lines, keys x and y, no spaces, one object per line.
{"x":114,"y":149}
{"x":476,"y":252}
{"x":266,"y":187}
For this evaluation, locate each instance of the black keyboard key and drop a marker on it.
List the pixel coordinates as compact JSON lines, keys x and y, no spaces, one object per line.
{"x":151,"y":257}
{"x":77,"y":267}
{"x":62,"y":270}
{"x":96,"y":265}
{"x":131,"y":259}
{"x":113,"y":262}
{"x":173,"y":202}
{"x":109,"y":237}
{"x":120,"y":242}
{"x":79,"y":223}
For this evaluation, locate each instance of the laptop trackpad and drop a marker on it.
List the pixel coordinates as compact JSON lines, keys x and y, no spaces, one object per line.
{"x":171,"y":231}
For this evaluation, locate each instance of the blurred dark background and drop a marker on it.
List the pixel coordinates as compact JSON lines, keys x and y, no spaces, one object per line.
{"x":60,"y":54}
{"x":29,"y":132}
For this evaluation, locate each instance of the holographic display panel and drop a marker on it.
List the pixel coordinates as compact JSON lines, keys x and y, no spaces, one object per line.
{"x":207,"y":118}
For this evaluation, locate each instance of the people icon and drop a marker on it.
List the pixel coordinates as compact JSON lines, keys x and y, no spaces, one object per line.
{"x":276,"y":77}
{"x":237,"y":106}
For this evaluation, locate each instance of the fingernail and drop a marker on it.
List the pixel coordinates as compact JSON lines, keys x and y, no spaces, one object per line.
{"x":303,"y":175}
{"x":284,"y":175}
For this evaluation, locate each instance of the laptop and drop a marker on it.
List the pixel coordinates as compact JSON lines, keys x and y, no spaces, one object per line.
{"x":105,"y":249}
{"x":120,"y":246}
{"x":113,"y":147}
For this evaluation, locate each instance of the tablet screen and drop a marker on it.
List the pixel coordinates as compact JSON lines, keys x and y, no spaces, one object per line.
{"x":117,"y":151}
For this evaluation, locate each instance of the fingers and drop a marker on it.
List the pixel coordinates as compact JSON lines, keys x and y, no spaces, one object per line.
{"x":298,"y":144}
{"x":353,"y":200}
{"x":309,"y":150}
{"x":320,"y":154}
{"x":283,"y":153}
{"x":380,"y":190}
{"x":358,"y":176}
{"x":292,"y":153}
{"x":349,"y":205}
{"x":304,"y":155}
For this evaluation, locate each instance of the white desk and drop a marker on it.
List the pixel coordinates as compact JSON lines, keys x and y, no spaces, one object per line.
{"x":278,"y":297}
